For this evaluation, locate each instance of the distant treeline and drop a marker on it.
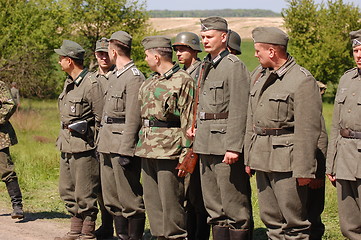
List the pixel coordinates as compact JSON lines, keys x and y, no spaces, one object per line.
{"x":219,"y":12}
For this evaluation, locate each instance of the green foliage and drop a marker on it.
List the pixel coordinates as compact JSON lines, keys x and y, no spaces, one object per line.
{"x":218,"y":12}
{"x":319,"y":37}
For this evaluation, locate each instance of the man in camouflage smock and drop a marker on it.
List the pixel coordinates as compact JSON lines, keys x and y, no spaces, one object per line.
{"x":343,"y":165}
{"x":80,"y":106}
{"x":166,"y":110}
{"x":283,"y":129}
{"x":7,"y":139}
{"x":118,"y":135}
{"x":187,"y":46}
{"x":221,"y":123}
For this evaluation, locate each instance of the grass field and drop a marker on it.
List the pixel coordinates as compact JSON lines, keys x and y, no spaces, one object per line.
{"x":36,"y":160}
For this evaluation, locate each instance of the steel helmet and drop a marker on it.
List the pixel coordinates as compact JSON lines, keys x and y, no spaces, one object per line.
{"x":234,"y":41}
{"x":187,"y":39}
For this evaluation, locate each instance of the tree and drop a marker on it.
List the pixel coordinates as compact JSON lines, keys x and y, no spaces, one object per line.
{"x":319,"y":37}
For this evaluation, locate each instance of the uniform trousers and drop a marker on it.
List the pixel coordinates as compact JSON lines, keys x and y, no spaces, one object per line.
{"x":283,"y":205}
{"x":121,"y":187}
{"x":164,"y":198}
{"x":79,"y":184}
{"x":349,"y":204}
{"x":226,"y":192}
{"x":7,"y":171}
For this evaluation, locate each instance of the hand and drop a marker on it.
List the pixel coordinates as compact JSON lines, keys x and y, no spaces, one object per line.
{"x":332,"y":178}
{"x":181,"y":173}
{"x":230,"y":157}
{"x":316,"y":183}
{"x":249,"y":171}
{"x":304,"y":181}
{"x":191,"y":133}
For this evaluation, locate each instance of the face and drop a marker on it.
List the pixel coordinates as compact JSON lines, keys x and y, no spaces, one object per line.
{"x":151,"y":59}
{"x":64,"y":62}
{"x":263,"y":55}
{"x":103,"y":59}
{"x":184,"y":54}
{"x":214,"y":41}
{"x":111,"y":53}
{"x":357,"y":56}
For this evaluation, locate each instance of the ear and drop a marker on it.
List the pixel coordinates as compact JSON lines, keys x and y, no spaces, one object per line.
{"x":271,"y":52}
{"x":224,"y":36}
{"x":157,"y":58}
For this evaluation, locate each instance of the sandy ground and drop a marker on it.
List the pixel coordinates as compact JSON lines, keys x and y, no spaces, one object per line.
{"x":243,"y":26}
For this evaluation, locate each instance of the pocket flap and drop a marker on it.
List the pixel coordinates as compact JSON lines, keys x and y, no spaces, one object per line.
{"x":341,"y":98}
{"x":358,"y":145}
{"x":216,"y":84}
{"x":117,"y":94}
{"x":118,"y":128}
{"x":253,"y":92}
{"x":218,"y":128}
{"x":282,"y":140}
{"x":279,"y":96}
{"x":75,"y":99}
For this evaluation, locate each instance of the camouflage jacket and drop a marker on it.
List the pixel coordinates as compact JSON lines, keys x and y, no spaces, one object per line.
{"x":167,"y":97}
{"x":121,"y":102}
{"x":81,"y":99}
{"x":7,"y":108}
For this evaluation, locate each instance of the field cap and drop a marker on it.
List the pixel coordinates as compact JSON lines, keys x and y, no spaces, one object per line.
{"x":71,"y":49}
{"x":102,"y":45}
{"x":156,"y":42}
{"x":214,"y":23}
{"x":122,"y":37}
{"x":271,"y":35}
{"x":234,"y":41}
{"x":355,"y":38}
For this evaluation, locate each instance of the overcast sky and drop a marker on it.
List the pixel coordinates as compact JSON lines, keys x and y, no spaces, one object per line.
{"x":274,"y":5}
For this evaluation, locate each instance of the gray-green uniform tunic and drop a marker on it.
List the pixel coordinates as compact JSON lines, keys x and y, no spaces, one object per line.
{"x":81,"y":99}
{"x":287,"y":98}
{"x":344,"y":154}
{"x":118,"y":135}
{"x":226,"y":189}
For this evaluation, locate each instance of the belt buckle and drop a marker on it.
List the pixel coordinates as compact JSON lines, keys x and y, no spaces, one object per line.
{"x":276,"y":132}
{"x":146,"y":123}
{"x":202,"y":115}
{"x":352,"y":134}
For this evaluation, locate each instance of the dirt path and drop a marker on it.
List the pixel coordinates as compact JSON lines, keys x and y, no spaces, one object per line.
{"x":35,"y":226}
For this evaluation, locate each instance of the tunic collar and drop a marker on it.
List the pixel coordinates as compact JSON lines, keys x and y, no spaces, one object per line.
{"x":193,"y":66}
{"x":171,"y":71}
{"x":125,"y":68}
{"x":80,"y":77}
{"x":218,"y":58}
{"x":285,"y":67}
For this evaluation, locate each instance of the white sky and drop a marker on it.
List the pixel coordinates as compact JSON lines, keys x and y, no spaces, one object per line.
{"x":274,"y":5}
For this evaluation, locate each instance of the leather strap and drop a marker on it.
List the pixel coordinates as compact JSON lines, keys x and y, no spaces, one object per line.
{"x":111,"y":120}
{"x":164,"y":124}
{"x":212,"y":116}
{"x":348,"y":133}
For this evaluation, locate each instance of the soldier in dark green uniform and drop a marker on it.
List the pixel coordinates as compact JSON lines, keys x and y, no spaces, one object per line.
{"x":118,"y":135}
{"x":187,"y":46}
{"x":283,"y":129}
{"x":221,"y":123}
{"x":166,"y":110}
{"x":344,"y":149}
{"x":80,"y":106}
{"x":234,"y":43}
{"x":105,"y":68}
{"x":7,"y":139}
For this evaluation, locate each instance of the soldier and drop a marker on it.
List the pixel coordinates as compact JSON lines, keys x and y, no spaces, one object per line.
{"x":221,"y":121}
{"x":187,"y":47}
{"x":7,"y":139}
{"x":166,"y":110}
{"x":15,"y":93}
{"x":343,"y":154}
{"x":105,"y":68}
{"x":283,"y":128}
{"x":80,"y":107}
{"x":234,"y":43}
{"x":118,"y":135}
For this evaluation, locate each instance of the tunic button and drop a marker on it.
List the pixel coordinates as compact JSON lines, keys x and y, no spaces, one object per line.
{"x":261,"y":104}
{"x":349,"y":110}
{"x":204,"y":93}
{"x":353,"y":94}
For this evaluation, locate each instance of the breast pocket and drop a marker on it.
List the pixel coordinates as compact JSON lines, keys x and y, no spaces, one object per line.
{"x":216,"y":90}
{"x":75,"y":107}
{"x":117,"y":101}
{"x":278,"y":110}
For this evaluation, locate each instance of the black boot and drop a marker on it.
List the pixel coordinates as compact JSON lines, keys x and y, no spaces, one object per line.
{"x":106,"y":230}
{"x":16,"y":198}
{"x":239,"y":234}
{"x":121,"y":227}
{"x":220,"y":233}
{"x":136,"y":228}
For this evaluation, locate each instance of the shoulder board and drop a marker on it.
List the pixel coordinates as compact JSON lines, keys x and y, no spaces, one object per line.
{"x":233,"y":58}
{"x":350,"y":70}
{"x":135,"y":71}
{"x":305,"y":71}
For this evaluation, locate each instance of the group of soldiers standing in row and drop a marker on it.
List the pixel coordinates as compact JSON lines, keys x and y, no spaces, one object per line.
{"x":116,"y":127}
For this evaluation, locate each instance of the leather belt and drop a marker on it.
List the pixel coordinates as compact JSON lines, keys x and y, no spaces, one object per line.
{"x":348,"y":133}
{"x":66,"y":125}
{"x":272,"y":131}
{"x":164,"y":124}
{"x":111,"y":120}
{"x":212,"y":116}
